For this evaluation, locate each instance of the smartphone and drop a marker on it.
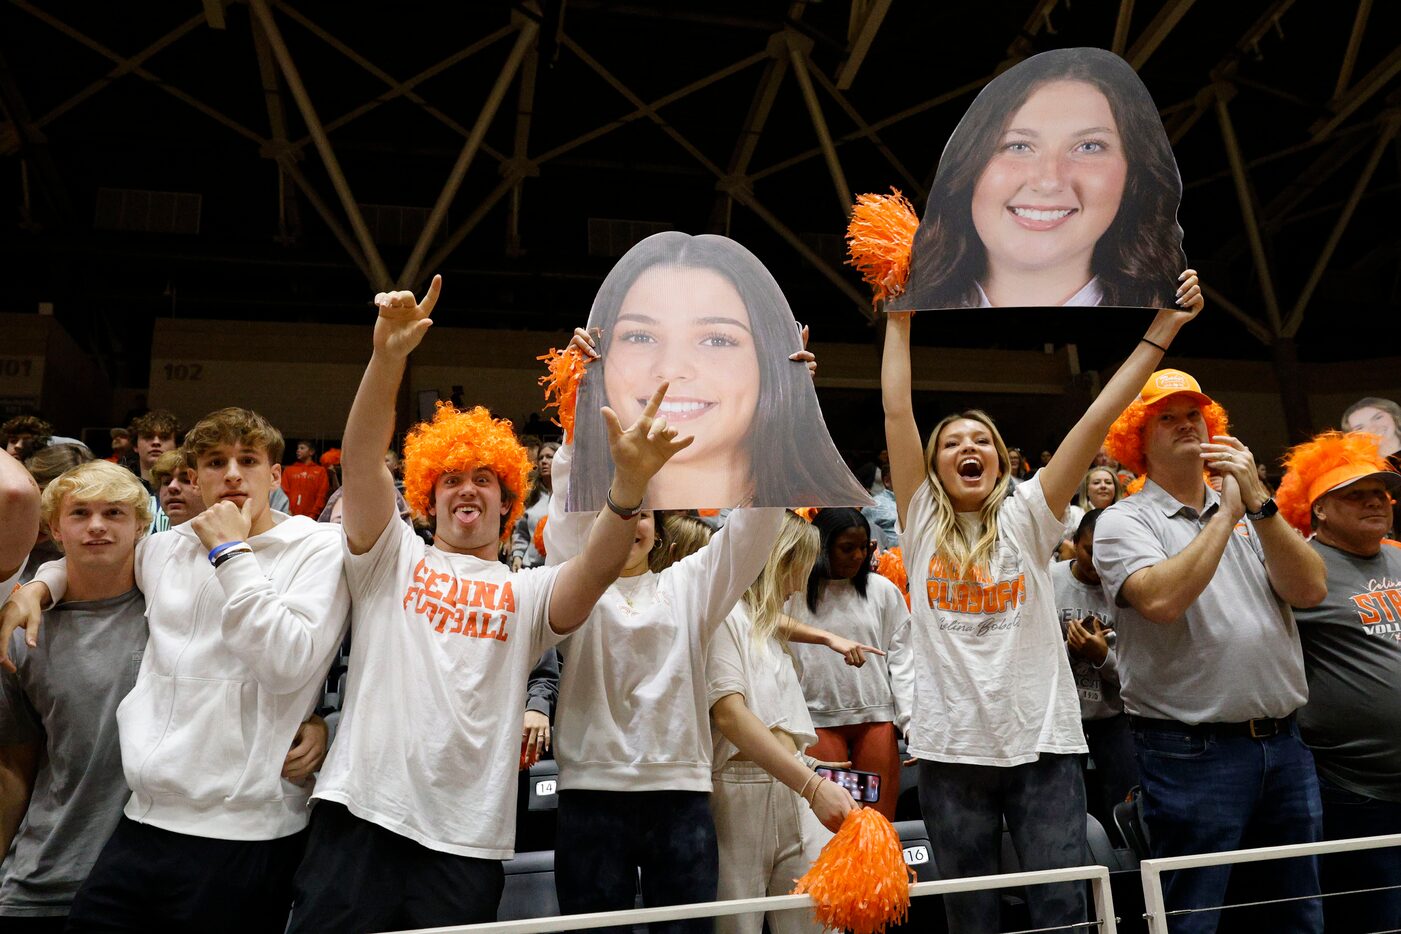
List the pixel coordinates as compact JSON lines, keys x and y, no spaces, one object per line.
{"x":864,"y":786}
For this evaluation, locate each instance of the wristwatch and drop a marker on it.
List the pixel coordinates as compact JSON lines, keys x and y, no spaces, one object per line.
{"x":1268,"y":508}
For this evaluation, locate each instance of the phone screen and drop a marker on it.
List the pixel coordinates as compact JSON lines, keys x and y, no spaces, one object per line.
{"x":863,"y":786}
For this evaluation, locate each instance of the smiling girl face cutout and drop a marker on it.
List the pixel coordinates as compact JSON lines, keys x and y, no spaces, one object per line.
{"x":704,"y":315}
{"x":1058,"y":187}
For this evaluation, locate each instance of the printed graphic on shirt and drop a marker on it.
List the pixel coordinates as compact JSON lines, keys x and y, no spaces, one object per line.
{"x":1088,"y":683}
{"x":1379,"y":608}
{"x":453,"y":606}
{"x":975,"y":593}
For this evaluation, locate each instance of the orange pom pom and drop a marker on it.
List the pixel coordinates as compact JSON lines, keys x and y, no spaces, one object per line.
{"x":879,"y":239}
{"x":538,"y":539}
{"x":860,"y":882}
{"x":566,"y":369}
{"x":807,"y":513}
{"x":891,"y":566}
{"x":331,"y":457}
{"x":1135,"y":484}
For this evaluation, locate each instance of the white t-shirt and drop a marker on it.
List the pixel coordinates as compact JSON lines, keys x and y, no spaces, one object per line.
{"x":429,"y":740}
{"x":992,"y":684}
{"x":764,"y":674}
{"x":838,"y":694}
{"x":632,"y":713}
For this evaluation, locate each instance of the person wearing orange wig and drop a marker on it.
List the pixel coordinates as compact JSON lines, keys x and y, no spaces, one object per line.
{"x":416,"y":803}
{"x":1339,"y":487}
{"x":1211,"y":668}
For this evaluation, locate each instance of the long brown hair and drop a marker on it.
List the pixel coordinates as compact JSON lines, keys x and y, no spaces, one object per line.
{"x":951,"y":544}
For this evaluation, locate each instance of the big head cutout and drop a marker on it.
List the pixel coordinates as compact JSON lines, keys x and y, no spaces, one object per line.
{"x":1058,"y":187}
{"x":705,"y":315}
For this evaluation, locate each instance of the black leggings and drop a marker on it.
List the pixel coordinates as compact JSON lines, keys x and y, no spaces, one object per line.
{"x":603,"y":838}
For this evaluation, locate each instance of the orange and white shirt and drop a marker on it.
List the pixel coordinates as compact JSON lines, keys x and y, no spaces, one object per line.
{"x":429,"y":740}
{"x":991,"y":681}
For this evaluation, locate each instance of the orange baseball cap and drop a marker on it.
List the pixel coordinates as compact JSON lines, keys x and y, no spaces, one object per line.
{"x":1328,"y":462}
{"x":1166,"y":383}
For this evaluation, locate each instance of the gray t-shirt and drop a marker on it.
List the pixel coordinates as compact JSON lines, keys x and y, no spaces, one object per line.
{"x":1234,"y":655}
{"x":1352,"y":654}
{"x":65,"y":697}
{"x":1098,"y":687}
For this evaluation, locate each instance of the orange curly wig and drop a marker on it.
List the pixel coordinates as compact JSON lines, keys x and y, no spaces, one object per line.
{"x":1125,"y":440}
{"x":462,"y":440}
{"x":1319,"y":465}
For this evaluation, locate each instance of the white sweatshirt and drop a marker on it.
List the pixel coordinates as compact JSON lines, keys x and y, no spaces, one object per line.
{"x":234,"y":663}
{"x":633,"y":708}
{"x":882,"y":690}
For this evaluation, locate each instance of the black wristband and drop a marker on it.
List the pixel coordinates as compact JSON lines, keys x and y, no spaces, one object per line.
{"x":1144,"y":340}
{"x":632,"y":513}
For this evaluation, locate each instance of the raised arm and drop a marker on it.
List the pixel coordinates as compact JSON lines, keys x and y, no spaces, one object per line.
{"x":19,"y":516}
{"x":907,"y":470}
{"x":1061,"y":477}
{"x":369,"y":486}
{"x":638,"y":453}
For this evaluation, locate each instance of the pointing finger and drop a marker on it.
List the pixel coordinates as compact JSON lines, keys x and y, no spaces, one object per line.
{"x":655,"y":403}
{"x":434,"y":290}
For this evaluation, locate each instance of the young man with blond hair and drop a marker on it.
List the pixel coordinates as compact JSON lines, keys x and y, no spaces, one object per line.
{"x":61,"y":782}
{"x":246,"y":609}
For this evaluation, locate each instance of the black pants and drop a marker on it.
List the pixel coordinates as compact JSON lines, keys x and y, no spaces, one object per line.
{"x":605,"y":837}
{"x":148,"y":879}
{"x":358,"y":876}
{"x":1111,"y":746}
{"x":25,"y":924}
{"x":1043,"y":803}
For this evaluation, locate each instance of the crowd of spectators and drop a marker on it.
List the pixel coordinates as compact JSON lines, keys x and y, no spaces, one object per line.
{"x":1210,"y":671}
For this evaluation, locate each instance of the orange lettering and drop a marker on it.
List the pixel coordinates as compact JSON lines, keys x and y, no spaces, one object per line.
{"x":501,"y":629}
{"x":1366,"y":614}
{"x":508,"y":598}
{"x":431,"y":588}
{"x":483,"y":595}
{"x":469,"y":628}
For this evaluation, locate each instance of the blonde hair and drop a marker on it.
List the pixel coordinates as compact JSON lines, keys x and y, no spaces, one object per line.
{"x":99,"y":482}
{"x":790,"y":562}
{"x":50,"y":463}
{"x":1085,"y":486}
{"x":169,"y":464}
{"x":680,"y":536}
{"x":956,"y":550}
{"x":235,"y":426}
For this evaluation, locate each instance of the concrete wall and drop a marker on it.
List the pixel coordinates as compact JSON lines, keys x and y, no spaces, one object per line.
{"x":303,"y":377}
{"x":43,"y":369}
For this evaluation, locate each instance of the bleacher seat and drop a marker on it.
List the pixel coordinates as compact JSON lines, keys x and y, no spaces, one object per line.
{"x":530,"y":887}
{"x":926,"y":913}
{"x":1128,"y":817}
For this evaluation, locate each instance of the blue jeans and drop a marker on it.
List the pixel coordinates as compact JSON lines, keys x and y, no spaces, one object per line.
{"x":1346,"y":815}
{"x":1204,"y":793}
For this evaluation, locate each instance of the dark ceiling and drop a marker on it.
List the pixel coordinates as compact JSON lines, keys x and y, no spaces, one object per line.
{"x":89,"y":132}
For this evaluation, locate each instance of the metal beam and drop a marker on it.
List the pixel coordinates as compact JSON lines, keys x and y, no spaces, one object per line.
{"x":397,"y":88}
{"x":1121,"y":27}
{"x":34,"y":152}
{"x":1258,"y":330}
{"x":881,"y":124}
{"x":528,"y":30}
{"x":379,"y":273}
{"x":1156,"y":31}
{"x":140,"y":72}
{"x":455,"y":239}
{"x":1206,"y":98}
{"x":1246,"y":196}
{"x":214,"y":13}
{"x":797,"y":57}
{"x":868,"y":132}
{"x":736,"y":188}
{"x":646,"y":109}
{"x":519,"y":161}
{"x":1354,"y":43}
{"x":866,"y":18}
{"x":862,"y":302}
{"x":1036,"y":20}
{"x":1361,"y":92}
{"x":759,"y":109}
{"x":125,"y":66}
{"x":1296,"y":317}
